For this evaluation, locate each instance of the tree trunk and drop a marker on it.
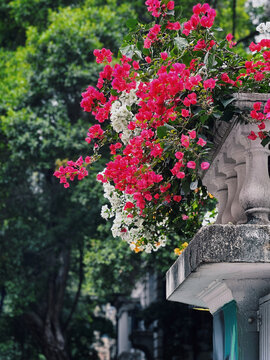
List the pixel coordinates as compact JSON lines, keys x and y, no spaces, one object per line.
{"x":53,"y":347}
{"x":49,"y":337}
{"x":47,"y":329}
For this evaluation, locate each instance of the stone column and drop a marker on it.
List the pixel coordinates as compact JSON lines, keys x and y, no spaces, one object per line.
{"x":124,"y":330}
{"x":226,"y":268}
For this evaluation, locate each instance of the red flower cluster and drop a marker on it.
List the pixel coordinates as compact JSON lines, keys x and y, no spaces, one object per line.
{"x":155,"y":7}
{"x":152,"y":36}
{"x":103,"y":55}
{"x":72,"y":170}
{"x":206,"y":21}
{"x":173,"y":26}
{"x":261,"y":117}
{"x":94,"y":132}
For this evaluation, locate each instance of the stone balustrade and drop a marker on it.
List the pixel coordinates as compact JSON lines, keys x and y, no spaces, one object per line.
{"x":239,"y":175}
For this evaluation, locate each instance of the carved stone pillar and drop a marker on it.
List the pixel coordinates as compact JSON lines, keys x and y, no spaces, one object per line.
{"x":238,"y":154}
{"x":231,"y":181}
{"x":220,"y":191}
{"x":255,"y":193}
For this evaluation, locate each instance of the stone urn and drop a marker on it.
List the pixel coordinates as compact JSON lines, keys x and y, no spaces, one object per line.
{"x":239,"y":175}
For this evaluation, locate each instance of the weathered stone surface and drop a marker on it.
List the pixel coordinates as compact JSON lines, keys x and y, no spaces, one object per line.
{"x":221,"y":244}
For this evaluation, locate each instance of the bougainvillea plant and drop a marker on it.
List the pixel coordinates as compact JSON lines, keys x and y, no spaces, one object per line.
{"x":155,"y":108}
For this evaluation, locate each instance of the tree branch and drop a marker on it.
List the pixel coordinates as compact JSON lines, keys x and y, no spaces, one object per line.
{"x":245,"y":38}
{"x":3,"y":294}
{"x":60,"y":281}
{"x":215,"y":4}
{"x":78,"y":292}
{"x":233,"y":16}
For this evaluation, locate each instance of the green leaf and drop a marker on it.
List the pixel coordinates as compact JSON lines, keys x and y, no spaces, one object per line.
{"x":132,"y":23}
{"x":163,"y":130}
{"x":185,"y":187}
{"x":217,"y":114}
{"x":146,"y":52}
{"x":178,"y":11}
{"x":211,"y":61}
{"x":131,"y":51}
{"x":114,"y":92}
{"x":226,"y":102}
{"x":218,"y":29}
{"x":203,"y":118}
{"x":265,"y":141}
{"x":180,"y":42}
{"x":170,"y":13}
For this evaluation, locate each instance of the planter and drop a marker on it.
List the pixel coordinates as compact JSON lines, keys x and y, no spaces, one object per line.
{"x":239,"y":172}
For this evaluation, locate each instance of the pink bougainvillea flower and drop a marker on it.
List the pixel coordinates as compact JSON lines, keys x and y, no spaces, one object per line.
{"x":136,"y":65}
{"x":261,"y":126}
{"x":185,"y":217}
{"x":173,"y":26}
{"x":164,"y":55}
{"x":254,"y":47}
{"x":205,"y":165}
{"x":209,"y":84}
{"x":180,"y":175}
{"x":94,"y":132}
{"x":170,"y":5}
{"x":257,"y":106}
{"x":192,"y":134}
{"x":154,"y":7}
{"x":229,"y":37}
{"x":179,"y":155}
{"x":177,"y":198}
{"x":191,"y":164}
{"x":185,"y":140}
{"x":201,"y":142}
{"x":103,"y":55}
{"x":129,"y":205}
{"x":184,"y":113}
{"x":147,"y":43}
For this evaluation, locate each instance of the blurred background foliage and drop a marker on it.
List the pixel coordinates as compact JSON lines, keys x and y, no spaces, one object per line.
{"x":58,"y":261}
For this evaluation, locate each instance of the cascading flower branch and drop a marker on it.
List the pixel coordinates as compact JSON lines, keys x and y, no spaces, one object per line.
{"x":155,"y":109}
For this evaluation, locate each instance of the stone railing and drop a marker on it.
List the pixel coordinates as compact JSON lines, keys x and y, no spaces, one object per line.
{"x":239,"y":175}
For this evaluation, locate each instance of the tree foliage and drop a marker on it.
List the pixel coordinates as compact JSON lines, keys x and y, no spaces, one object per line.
{"x":44,"y":230}
{"x":56,"y":255}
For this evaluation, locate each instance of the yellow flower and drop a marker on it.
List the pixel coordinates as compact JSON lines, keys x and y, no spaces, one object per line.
{"x":210,"y":195}
{"x":177,"y":251}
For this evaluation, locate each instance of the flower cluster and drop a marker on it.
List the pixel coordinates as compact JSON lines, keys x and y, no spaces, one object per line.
{"x":263,"y":27}
{"x":202,"y":15}
{"x":72,"y":170}
{"x":260,"y":118}
{"x":154,"y":109}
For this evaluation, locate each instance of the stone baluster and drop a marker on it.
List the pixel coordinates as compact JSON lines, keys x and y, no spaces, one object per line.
{"x":237,"y":153}
{"x":221,"y":193}
{"x":226,"y":165}
{"x":255,"y":194}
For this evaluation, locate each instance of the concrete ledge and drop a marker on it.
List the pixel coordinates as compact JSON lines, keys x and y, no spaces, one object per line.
{"x":217,"y":253}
